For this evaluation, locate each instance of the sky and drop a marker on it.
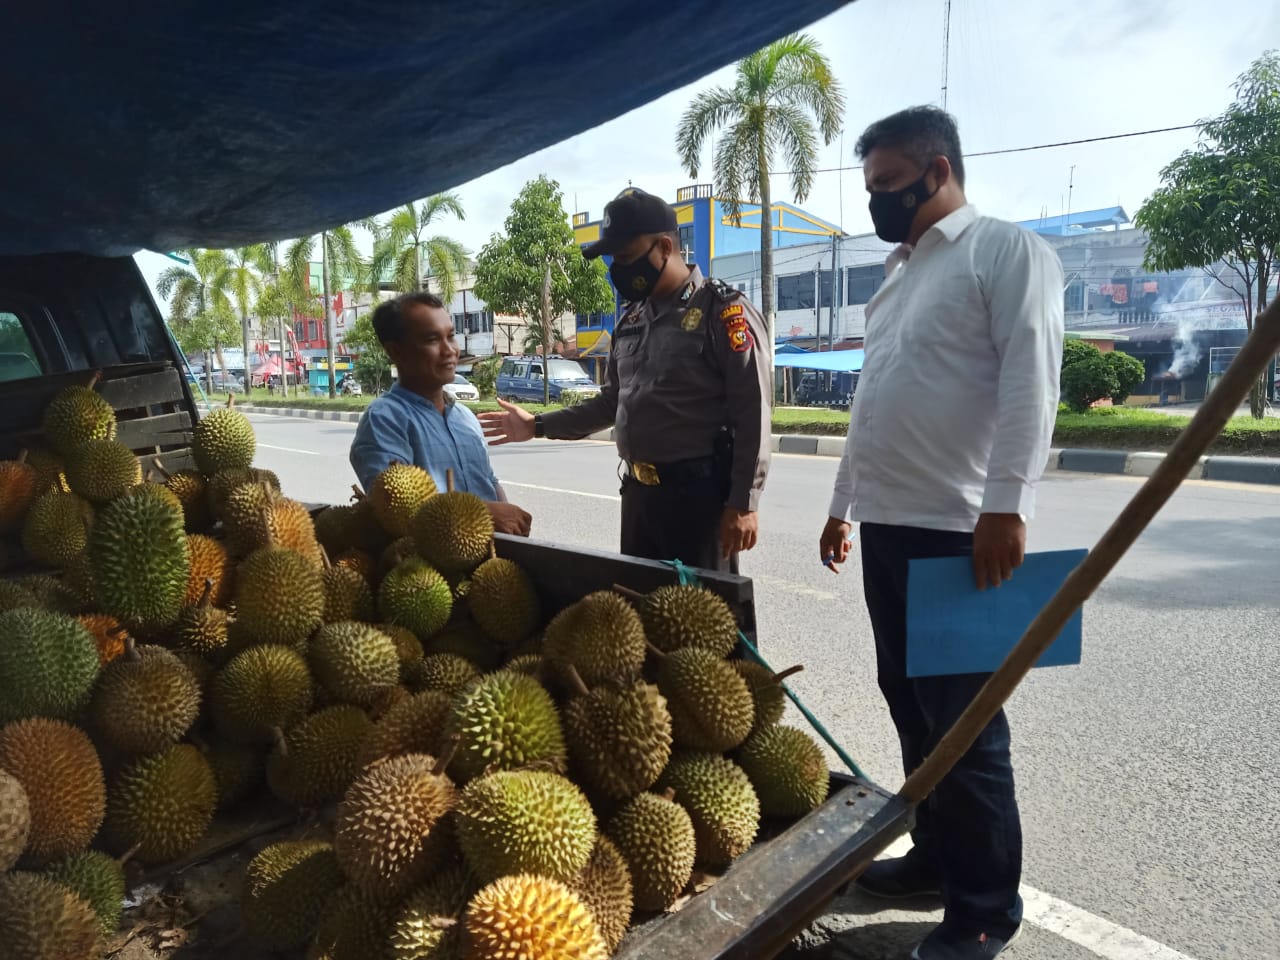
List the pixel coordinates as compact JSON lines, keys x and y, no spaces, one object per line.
{"x":1021,"y":73}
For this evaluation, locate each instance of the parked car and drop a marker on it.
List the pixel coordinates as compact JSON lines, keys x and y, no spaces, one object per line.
{"x":461,"y":388}
{"x":222,"y":382}
{"x":520,"y":378}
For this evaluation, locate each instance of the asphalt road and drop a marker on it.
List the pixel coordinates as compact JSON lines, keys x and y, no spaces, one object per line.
{"x":1146,"y":775}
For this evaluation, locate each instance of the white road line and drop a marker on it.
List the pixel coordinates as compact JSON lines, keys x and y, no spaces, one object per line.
{"x":310,"y":453}
{"x":1100,"y":937}
{"x":576,"y":493}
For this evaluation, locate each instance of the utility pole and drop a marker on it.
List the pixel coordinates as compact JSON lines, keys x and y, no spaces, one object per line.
{"x":946,"y":51}
{"x":831,"y":314}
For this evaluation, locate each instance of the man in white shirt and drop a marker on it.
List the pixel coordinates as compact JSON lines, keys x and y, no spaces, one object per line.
{"x":948,"y":436}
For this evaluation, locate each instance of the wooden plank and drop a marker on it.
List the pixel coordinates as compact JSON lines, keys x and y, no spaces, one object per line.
{"x":563,"y":575}
{"x":774,"y":890}
{"x":147,"y":431}
{"x":142,"y":390}
{"x":173,"y":460}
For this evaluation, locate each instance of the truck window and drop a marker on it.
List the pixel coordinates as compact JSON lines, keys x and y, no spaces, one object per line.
{"x":522,"y":369}
{"x":17,"y":355}
{"x":508,"y":368}
{"x":535,"y":371}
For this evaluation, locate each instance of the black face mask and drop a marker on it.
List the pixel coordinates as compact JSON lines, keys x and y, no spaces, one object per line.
{"x":892,"y":211}
{"x":634,"y":281}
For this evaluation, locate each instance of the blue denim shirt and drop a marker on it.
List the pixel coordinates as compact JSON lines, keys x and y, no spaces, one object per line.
{"x":408,"y":428}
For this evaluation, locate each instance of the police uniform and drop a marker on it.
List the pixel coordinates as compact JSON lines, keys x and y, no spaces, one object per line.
{"x":687,"y":390}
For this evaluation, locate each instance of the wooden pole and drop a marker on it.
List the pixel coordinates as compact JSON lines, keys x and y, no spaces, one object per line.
{"x":1263,"y":344}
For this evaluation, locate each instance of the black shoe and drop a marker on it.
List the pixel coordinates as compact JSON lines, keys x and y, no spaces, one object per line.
{"x":939,"y":945}
{"x":899,"y":879}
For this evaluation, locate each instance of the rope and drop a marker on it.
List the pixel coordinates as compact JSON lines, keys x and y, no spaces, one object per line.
{"x":687,"y":578}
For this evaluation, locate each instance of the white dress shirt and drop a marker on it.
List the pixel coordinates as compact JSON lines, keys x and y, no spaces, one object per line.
{"x":954,"y":410}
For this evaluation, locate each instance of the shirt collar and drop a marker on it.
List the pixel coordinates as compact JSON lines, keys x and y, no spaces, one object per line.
{"x":679,"y":296}
{"x":956,"y":222}
{"x":408,"y":396}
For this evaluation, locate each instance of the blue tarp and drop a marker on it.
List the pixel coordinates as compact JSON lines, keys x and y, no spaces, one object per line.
{"x":836,"y":361}
{"x":163,"y":124}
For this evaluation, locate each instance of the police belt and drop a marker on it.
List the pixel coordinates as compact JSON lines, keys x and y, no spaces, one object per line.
{"x":682,"y":471}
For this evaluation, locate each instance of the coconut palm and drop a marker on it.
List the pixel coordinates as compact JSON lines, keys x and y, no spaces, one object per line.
{"x":401,"y":246}
{"x":784,"y":97}
{"x":339,"y":261}
{"x":199,"y":310}
{"x":241,"y":283}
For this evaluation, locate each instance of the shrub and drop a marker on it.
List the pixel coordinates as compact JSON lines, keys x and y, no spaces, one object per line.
{"x":1073,"y":351}
{"x":1086,"y":381}
{"x":484,"y":375}
{"x":1129,"y":372}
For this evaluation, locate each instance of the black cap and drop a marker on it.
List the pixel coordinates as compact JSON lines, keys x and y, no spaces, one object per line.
{"x":632,"y":213}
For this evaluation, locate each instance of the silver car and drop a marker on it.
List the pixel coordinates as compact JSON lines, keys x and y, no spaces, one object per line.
{"x":461,"y":389}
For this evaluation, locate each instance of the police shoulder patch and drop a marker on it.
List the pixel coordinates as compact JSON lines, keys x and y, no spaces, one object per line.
{"x":691,"y":320}
{"x":731,"y":311}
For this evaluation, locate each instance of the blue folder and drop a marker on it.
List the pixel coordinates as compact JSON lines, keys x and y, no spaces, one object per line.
{"x":953,"y":627}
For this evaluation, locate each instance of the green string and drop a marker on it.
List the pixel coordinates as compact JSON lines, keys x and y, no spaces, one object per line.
{"x":687,"y":578}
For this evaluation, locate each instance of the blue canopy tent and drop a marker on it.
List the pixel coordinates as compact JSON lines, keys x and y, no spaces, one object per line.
{"x":162,"y":125}
{"x":833,"y":361}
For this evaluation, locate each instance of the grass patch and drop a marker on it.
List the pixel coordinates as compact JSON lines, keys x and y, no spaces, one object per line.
{"x":1118,"y":428}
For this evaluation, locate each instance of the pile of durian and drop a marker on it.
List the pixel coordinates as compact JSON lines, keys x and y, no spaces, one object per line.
{"x":475,"y":780}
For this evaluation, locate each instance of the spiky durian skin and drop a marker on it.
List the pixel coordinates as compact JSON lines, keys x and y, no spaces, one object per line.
{"x":101,"y":470}
{"x":428,"y":925}
{"x":75,"y":415}
{"x":414,"y":595}
{"x":413,"y":725}
{"x":287,"y":887}
{"x":600,"y":636}
{"x":320,"y":758}
{"x":56,"y":528}
{"x":19,"y":487}
{"x":721,"y":803}
{"x":353,"y":662}
{"x":527,"y":916}
{"x":15,"y":819}
{"x":453,"y":532}
{"x":679,"y":615}
{"x":41,"y":919}
{"x":162,"y":804}
{"x":504,"y":721}
{"x":787,"y":769}
{"x":619,"y":740}
{"x":48,"y":664}
{"x":223,"y":440}
{"x":655,"y":836}
{"x":138,"y":553}
{"x":144,"y":703}
{"x":397,"y":494}
{"x":279,"y":596}
{"x":711,"y":707}
{"x":259,"y":689}
{"x":503,"y":601}
{"x":353,"y":927}
{"x":97,"y":879}
{"x":209,"y":561}
{"x":604,"y":885}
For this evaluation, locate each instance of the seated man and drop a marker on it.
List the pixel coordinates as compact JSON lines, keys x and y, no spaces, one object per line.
{"x":417,"y":422}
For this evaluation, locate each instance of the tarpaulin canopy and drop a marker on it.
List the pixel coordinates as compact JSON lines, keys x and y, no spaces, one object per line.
{"x":835,"y":361}
{"x":161,"y":125}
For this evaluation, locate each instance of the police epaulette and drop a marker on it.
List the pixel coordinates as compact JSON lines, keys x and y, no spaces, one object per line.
{"x":724,"y":291}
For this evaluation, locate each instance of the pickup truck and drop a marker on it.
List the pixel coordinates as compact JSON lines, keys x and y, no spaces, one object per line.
{"x":80,"y":314}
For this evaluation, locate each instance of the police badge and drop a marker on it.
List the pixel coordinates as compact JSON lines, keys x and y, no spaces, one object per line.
{"x":691,"y":320}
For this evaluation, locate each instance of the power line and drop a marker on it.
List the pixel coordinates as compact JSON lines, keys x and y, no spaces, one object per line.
{"x":1038,"y":146}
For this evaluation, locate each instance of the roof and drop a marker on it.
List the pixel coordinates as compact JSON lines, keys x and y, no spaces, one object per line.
{"x":1081,"y":221}
{"x":166,"y":125}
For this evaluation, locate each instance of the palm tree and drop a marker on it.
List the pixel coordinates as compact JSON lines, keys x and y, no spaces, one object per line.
{"x":197,"y":301}
{"x":400,"y":244}
{"x":339,"y":259}
{"x":779,"y":93}
{"x":241,"y":283}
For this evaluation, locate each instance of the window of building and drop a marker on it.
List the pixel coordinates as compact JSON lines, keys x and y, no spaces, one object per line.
{"x":796,"y":292}
{"x":1073,"y":298}
{"x":824,"y":287}
{"x":864,"y":282}
{"x":17,"y":355}
{"x":687,"y":248}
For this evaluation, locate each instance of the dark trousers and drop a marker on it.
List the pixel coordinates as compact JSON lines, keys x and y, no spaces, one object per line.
{"x":968,"y":835}
{"x":675,"y":522}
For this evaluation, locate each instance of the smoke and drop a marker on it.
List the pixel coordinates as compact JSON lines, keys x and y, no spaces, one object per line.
{"x":1187,"y":353}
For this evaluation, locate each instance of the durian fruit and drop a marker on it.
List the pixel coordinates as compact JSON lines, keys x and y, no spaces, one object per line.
{"x":279,"y":596}
{"x":416,"y":596}
{"x":463,"y":637}
{"x":52,"y":593}
{"x":397,"y":494}
{"x":287,"y":887}
{"x":711,"y":706}
{"x":237,"y":769}
{"x":353,"y":926}
{"x":360,"y":562}
{"x":242,"y":516}
{"x":391,"y":831}
{"x":445,"y":672}
{"x":50,"y":470}
{"x":530,"y":664}
{"x":453,"y":532}
{"x":394,"y":554}
{"x":503,"y":601}
{"x":259,"y":689}
{"x":223,"y":440}
{"x":721,"y":803}
{"x":14,"y":596}
{"x":504,"y":721}
{"x":347,"y":596}
{"x":316,"y":761}
{"x":600,"y":636}
{"x":162,"y":804}
{"x":413,"y":725}
{"x":144,"y":700}
{"x":209,"y":561}
{"x":202,"y":628}
{"x":408,"y":646}
{"x":15,"y":819}
{"x":604,"y":885}
{"x":219,"y":486}
{"x":40,"y":919}
{"x":48,"y":663}
{"x":529,"y":916}
{"x":56,"y":528}
{"x":353,"y":662}
{"x":62,"y":777}
{"x":191,"y":489}
{"x":98,"y":880}
{"x":256,"y":516}
{"x":525,"y":821}
{"x":679,"y":616}
{"x":787,"y":769}
{"x":101,"y":470}
{"x":77,"y":414}
{"x":76,"y":583}
{"x":767,"y":692}
{"x":619,"y":740}
{"x":138,"y":552}
{"x":109,"y":635}
{"x":655,"y":836}
{"x":19,"y":487}
{"x":351,"y":528}
{"x":429,"y":924}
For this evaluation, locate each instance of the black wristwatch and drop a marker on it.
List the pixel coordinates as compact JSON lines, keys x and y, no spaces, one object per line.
{"x":539,"y":428}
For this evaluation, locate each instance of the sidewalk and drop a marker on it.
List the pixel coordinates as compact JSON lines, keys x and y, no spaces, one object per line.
{"x":1229,"y":469}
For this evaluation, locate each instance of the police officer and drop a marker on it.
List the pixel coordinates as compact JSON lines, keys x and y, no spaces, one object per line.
{"x":687,"y":390}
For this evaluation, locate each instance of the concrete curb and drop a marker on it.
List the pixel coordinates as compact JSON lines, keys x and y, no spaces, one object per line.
{"x":1263,"y":470}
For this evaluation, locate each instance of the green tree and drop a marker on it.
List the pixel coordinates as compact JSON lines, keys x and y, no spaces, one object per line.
{"x":484,"y":375}
{"x":401,"y":246}
{"x":200,"y":314}
{"x":1075,"y":350}
{"x":1128,"y":371}
{"x":1087,"y":381}
{"x":1218,"y":206}
{"x":339,"y":261}
{"x":536,"y":269}
{"x":372,"y":366}
{"x":783,"y":98}
{"x":241,"y":284}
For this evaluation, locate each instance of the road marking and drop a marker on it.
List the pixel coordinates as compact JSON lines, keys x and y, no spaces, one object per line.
{"x":575,"y":493}
{"x":310,"y":453}
{"x":1100,"y":937}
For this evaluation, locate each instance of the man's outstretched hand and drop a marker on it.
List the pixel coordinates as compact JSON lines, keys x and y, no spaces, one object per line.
{"x":738,"y":530}
{"x":511,"y":424}
{"x":508,"y":518}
